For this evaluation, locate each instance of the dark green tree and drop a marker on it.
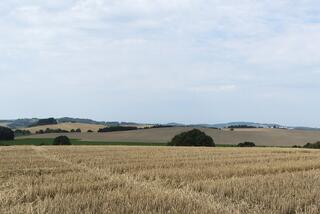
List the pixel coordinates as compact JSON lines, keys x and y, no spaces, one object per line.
{"x":19,"y":132}
{"x":194,"y":137}
{"x":247,"y":144}
{"x":61,"y":140}
{"x":6,"y":133}
{"x":42,"y":122}
{"x":118,"y":128}
{"x":315,"y":145}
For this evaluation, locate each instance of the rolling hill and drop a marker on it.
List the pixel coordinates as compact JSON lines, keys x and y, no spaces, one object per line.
{"x":67,"y":126}
{"x":263,"y":137}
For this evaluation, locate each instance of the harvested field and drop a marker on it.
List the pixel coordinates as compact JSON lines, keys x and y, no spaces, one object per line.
{"x":263,"y":137}
{"x":67,"y":126}
{"x":158,"y":180}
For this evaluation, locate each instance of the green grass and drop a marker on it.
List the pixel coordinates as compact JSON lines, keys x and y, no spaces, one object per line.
{"x":78,"y":142}
{"x":225,"y":145}
{"x":48,"y":141}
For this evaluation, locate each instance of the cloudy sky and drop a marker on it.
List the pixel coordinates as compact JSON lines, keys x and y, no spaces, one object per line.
{"x":192,"y":61}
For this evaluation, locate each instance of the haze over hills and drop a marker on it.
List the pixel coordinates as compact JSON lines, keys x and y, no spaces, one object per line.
{"x":27,"y":122}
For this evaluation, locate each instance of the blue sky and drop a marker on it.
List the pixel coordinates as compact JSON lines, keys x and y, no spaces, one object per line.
{"x":161,"y":61}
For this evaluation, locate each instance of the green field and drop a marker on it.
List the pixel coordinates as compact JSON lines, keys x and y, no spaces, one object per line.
{"x":48,"y":141}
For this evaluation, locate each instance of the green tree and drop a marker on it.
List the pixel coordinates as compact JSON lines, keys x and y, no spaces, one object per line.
{"x":194,"y":137}
{"x":6,"y":133}
{"x":42,"y":122}
{"x":315,"y":145}
{"x":117,"y":128}
{"x":61,"y":140}
{"x":247,"y":144}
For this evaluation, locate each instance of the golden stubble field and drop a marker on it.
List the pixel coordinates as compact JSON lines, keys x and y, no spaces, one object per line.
{"x":110,"y":179}
{"x":66,"y":126}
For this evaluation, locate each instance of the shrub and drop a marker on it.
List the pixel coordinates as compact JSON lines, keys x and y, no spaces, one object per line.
{"x":19,"y":132}
{"x":61,"y":140}
{"x":194,"y":137}
{"x":315,"y":145}
{"x":90,"y":131}
{"x":242,"y":127}
{"x":40,"y":132}
{"x":48,"y":130}
{"x":159,"y":126}
{"x":6,"y":133}
{"x":117,"y":128}
{"x":247,"y":144}
{"x":78,"y":130}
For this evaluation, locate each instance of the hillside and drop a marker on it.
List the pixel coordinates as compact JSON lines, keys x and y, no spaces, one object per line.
{"x":67,"y":126}
{"x":267,"y":137}
{"x":3,"y":123}
{"x":28,"y":122}
{"x":79,"y":120}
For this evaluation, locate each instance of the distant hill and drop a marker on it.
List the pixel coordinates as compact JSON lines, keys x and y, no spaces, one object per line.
{"x":26,"y":122}
{"x":43,"y":122}
{"x":22,"y":123}
{"x":79,"y":120}
{"x":252,"y":124}
{"x":261,"y":136}
{"x":84,"y":127}
{"x":5,"y":123}
{"x":305,"y":128}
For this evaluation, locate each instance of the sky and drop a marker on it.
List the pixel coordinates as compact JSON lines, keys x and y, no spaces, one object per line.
{"x":189,"y":61}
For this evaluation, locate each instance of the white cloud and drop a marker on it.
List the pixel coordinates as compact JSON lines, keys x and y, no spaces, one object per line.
{"x":214,"y":88}
{"x":178,"y":46}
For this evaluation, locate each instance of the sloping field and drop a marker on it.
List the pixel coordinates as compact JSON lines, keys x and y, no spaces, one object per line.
{"x":266,"y":137}
{"x":67,"y":126}
{"x":4,"y":124}
{"x":111,"y":179}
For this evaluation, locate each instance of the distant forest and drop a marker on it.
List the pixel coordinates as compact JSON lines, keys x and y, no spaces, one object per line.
{"x":42,"y":122}
{"x":243,"y":127}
